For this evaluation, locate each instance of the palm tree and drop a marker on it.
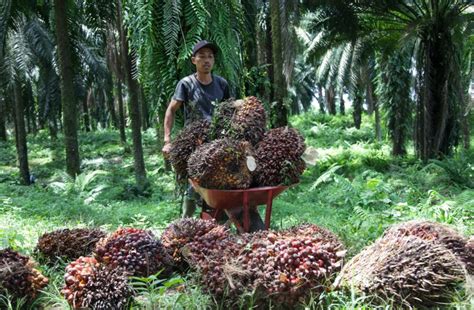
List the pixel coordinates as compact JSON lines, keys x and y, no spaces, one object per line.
{"x":68,"y":97}
{"x":303,"y":87}
{"x":394,"y":86}
{"x":436,"y":32}
{"x":4,"y":17}
{"x":16,"y":72}
{"x":279,"y":111}
{"x":129,"y":62}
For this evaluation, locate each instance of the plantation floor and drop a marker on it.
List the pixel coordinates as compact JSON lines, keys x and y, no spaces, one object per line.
{"x":355,"y":189}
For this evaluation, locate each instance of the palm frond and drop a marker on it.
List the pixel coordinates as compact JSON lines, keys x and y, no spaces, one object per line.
{"x":5,"y":7}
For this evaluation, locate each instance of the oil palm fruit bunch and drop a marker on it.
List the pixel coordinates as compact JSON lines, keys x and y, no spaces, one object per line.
{"x":135,"y":250}
{"x":286,"y":269}
{"x":90,"y":284}
{"x":192,"y":136}
{"x":209,"y":254}
{"x":18,"y":277}
{"x":221,"y":123}
{"x":278,"y":157}
{"x":240,"y":119}
{"x":408,"y":270}
{"x":313,"y":231}
{"x":222,"y":164}
{"x":68,"y":243}
{"x":438,"y":233}
{"x":181,"y":232}
{"x":250,"y":121}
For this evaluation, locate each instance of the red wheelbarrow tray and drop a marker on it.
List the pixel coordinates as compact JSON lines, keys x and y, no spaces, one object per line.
{"x":233,"y":200}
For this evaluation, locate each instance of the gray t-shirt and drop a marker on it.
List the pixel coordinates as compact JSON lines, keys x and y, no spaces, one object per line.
{"x":198,"y":98}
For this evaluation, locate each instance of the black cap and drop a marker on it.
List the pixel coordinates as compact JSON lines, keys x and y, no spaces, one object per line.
{"x":204,"y":43}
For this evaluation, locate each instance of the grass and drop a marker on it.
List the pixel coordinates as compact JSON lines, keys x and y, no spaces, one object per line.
{"x":356,"y":189}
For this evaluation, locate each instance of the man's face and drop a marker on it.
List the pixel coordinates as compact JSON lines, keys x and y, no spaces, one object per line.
{"x":204,"y":60}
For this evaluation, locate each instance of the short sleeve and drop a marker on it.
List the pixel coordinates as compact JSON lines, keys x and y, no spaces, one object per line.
{"x":181,"y":93}
{"x":225,"y":89}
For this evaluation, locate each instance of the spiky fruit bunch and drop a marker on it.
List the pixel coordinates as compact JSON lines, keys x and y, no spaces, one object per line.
{"x":240,"y":119}
{"x":221,"y":125}
{"x":287,"y":269}
{"x":406,"y":269}
{"x":209,"y":254}
{"x":135,"y":250}
{"x":68,"y":243}
{"x":278,"y":157}
{"x":249,"y":121}
{"x":313,"y":231}
{"x":192,"y":136}
{"x":221,"y":164}
{"x":439,"y":233}
{"x":18,"y":276}
{"x":90,"y":284}
{"x":181,"y":232}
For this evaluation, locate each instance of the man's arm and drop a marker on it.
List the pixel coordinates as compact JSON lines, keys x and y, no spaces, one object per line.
{"x":168,"y":124}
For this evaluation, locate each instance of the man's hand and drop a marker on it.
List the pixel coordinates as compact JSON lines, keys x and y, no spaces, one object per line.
{"x":166,"y":149}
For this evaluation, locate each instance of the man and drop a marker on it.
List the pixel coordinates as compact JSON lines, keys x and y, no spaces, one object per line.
{"x":197,"y":94}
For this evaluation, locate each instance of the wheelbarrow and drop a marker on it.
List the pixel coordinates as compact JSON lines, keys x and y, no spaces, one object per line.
{"x":233,"y":201}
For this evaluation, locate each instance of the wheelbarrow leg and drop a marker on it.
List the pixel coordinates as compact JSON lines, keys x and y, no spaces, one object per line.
{"x":268,"y":210}
{"x":246,"y":212}
{"x":232,"y":216}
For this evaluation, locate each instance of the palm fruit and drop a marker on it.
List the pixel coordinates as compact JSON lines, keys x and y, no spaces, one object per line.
{"x":241,"y":120}
{"x":181,"y":232}
{"x":18,"y":277}
{"x":68,"y":243}
{"x":282,"y":267}
{"x":89,"y":284}
{"x":221,"y":125}
{"x":209,"y":254}
{"x":135,"y":250}
{"x":221,"y":164}
{"x":249,"y":121}
{"x":278,"y":157}
{"x":408,"y":270}
{"x":192,"y":136}
{"x":439,"y":233}
{"x":286,"y":268}
{"x":313,"y":231}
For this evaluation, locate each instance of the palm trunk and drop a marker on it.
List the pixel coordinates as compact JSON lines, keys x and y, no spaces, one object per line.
{"x":331,"y":100}
{"x":92,"y":109}
{"x":133,"y":105}
{"x":373,"y":106}
{"x":101,"y":109}
{"x":369,"y":99}
{"x":269,"y":57}
{"x":144,"y":110}
{"x":3,"y":119}
{"x":437,"y":125}
{"x":342,"y":107}
{"x":322,"y":109}
{"x":20,"y":134}
{"x":110,"y":100}
{"x":280,"y":111}
{"x":68,"y":97}
{"x":85,"y":113}
{"x":357,"y":114}
{"x":123,"y":137}
{"x":378,"y":128}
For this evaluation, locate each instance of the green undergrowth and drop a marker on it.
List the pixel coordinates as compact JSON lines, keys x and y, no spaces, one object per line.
{"x":355,"y":189}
